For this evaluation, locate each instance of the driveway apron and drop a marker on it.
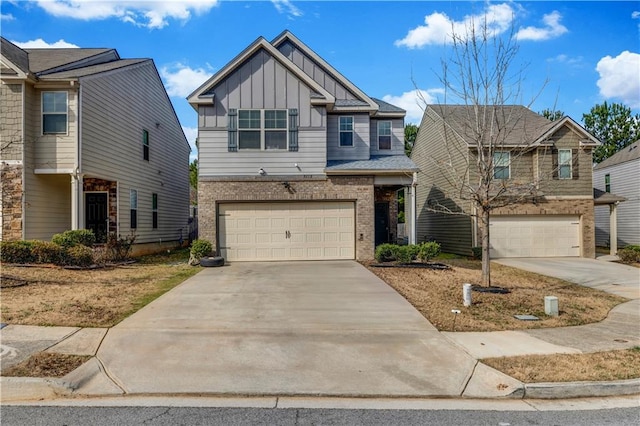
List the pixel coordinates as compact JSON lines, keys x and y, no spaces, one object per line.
{"x":284,"y":328}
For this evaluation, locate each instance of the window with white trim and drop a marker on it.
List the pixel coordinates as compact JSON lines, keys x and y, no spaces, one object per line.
{"x":565,"y":160}
{"x":346,"y":131}
{"x":54,"y":112}
{"x":384,"y":135}
{"x":133,"y":208}
{"x":607,"y":183}
{"x":501,"y":165}
{"x":262,"y":129}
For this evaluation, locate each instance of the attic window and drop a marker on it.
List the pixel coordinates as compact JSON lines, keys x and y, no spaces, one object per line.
{"x":54,"y":113}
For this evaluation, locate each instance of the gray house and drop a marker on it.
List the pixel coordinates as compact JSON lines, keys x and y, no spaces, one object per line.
{"x":90,"y":140}
{"x":295,"y":161}
{"x":619,"y":175}
{"x":552,"y":159}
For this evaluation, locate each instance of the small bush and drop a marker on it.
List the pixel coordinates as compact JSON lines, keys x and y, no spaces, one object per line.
{"x":428,"y":250}
{"x":119,"y":247}
{"x":405,"y":254}
{"x":76,"y":237}
{"x":630,"y":254}
{"x":201,"y":248}
{"x":47,"y":252}
{"x":16,"y":252}
{"x":79,"y":255}
{"x":385,"y":253}
{"x":477,"y":252}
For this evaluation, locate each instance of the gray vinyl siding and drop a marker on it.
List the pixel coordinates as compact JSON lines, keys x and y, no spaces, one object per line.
{"x":315,"y":71}
{"x":261,"y":83}
{"x":57,"y":152}
{"x":397,"y":137}
{"x":361,"y":138}
{"x":625,"y":181}
{"x":116,"y":108}
{"x":439,"y":161}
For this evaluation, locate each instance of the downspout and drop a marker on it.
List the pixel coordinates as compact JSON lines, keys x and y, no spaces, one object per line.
{"x":413,"y":233}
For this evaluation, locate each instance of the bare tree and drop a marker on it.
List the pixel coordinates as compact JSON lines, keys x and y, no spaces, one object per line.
{"x":486,"y":127}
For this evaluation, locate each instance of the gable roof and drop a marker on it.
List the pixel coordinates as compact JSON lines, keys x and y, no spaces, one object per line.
{"x":91,"y":70}
{"x":628,"y":153}
{"x":290,"y":37}
{"x":199,"y":96}
{"x":19,"y":58}
{"x":43,"y":61}
{"x":523,"y":126}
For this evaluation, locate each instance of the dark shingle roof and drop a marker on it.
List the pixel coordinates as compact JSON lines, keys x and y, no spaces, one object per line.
{"x":375,"y":163}
{"x":16,"y":55}
{"x":94,"y":69}
{"x":387,"y":107}
{"x":519,"y":125}
{"x":350,"y":103}
{"x":600,"y":197}
{"x":41,"y":60}
{"x":631,"y":152}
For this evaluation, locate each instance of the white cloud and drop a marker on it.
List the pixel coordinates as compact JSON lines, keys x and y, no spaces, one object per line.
{"x":180,"y":80}
{"x":619,"y":78}
{"x":562,"y":58}
{"x":286,"y":6}
{"x":414,"y":102}
{"x":439,"y":28}
{"x":41,"y":44}
{"x":144,"y":13}
{"x":552,"y":29}
{"x":635,"y":15}
{"x":191,"y":133}
{"x":7,"y":17}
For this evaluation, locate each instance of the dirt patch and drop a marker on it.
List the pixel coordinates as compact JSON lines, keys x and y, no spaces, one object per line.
{"x":88,"y":298}
{"x":599,"y":366}
{"x":45,"y":364}
{"x":435,"y":293}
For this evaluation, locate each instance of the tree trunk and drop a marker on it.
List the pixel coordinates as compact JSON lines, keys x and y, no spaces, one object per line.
{"x":486,"y":261}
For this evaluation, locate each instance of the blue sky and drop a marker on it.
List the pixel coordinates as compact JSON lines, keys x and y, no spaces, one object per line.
{"x":588,"y":52}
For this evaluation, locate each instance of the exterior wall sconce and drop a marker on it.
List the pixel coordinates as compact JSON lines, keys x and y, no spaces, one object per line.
{"x":261,"y":172}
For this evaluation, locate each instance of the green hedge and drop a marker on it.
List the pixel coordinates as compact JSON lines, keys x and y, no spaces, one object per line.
{"x":16,"y":252}
{"x":630,"y":254}
{"x":407,"y":253}
{"x":45,"y":252}
{"x":75,"y":237}
{"x":200,"y":249}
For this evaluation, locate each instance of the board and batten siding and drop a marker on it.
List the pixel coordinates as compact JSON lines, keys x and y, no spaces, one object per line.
{"x":315,"y":70}
{"x":397,"y":137}
{"x":361,"y":138}
{"x":438,"y":163}
{"x":117,"y":107}
{"x":261,"y":83}
{"x":625,"y":181}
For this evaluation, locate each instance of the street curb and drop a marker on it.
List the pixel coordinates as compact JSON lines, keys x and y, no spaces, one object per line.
{"x":581,"y":389}
{"x":29,"y":388}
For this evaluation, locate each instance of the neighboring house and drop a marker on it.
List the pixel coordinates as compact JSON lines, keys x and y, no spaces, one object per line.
{"x":90,"y":140}
{"x":620,"y":175}
{"x":295,"y":162}
{"x":552,"y":158}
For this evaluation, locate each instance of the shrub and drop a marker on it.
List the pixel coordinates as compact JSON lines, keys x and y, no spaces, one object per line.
{"x":385,"y":253}
{"x":629,"y":254}
{"x":16,"y":252}
{"x":405,"y":254}
{"x":119,"y":247}
{"x":76,"y":237}
{"x":79,"y":255}
{"x":428,"y":250}
{"x":477,"y":252}
{"x":201,"y":248}
{"x":47,"y":252}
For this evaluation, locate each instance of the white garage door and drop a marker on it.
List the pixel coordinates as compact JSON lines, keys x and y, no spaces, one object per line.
{"x":287,"y":231}
{"x":534,"y":236}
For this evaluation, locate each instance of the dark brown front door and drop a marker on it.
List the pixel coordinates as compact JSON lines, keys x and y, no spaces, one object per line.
{"x":382,"y":223}
{"x":97,"y":214}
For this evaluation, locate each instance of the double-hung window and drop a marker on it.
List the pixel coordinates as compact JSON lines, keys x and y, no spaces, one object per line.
{"x":133,"y":206}
{"x":54,"y":112}
{"x":145,"y":145}
{"x":607,"y":182}
{"x":501,"y":161}
{"x":346,"y":131}
{"x":384,"y":135}
{"x":565,"y":160}
{"x":262,"y":129}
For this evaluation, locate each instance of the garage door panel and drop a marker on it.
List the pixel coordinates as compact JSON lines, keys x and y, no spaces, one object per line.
{"x":535,"y":236}
{"x":287,"y":231}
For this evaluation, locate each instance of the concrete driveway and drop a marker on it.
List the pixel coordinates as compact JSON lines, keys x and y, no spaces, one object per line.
{"x":615,"y":278}
{"x":283,"y":328}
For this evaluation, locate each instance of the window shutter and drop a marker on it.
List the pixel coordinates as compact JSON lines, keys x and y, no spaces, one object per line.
{"x":554,"y":162}
{"x":575,"y":159}
{"x":233,"y":130}
{"x":293,"y":129}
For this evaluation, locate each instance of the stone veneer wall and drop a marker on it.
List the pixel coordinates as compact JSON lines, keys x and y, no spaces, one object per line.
{"x":11,"y":183}
{"x":336,"y":188}
{"x":580,"y":207}
{"x":93,"y":184}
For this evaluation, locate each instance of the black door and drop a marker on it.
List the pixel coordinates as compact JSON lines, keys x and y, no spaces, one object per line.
{"x":96,"y":214}
{"x":382,"y":223}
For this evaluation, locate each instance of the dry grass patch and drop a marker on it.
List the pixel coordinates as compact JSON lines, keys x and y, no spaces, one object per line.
{"x":88,"y":298}
{"x":598,"y":366}
{"x":436,"y":292}
{"x":45,"y":364}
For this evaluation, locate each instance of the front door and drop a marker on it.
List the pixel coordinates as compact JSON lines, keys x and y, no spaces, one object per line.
{"x":97,"y":214}
{"x":382,"y":223}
